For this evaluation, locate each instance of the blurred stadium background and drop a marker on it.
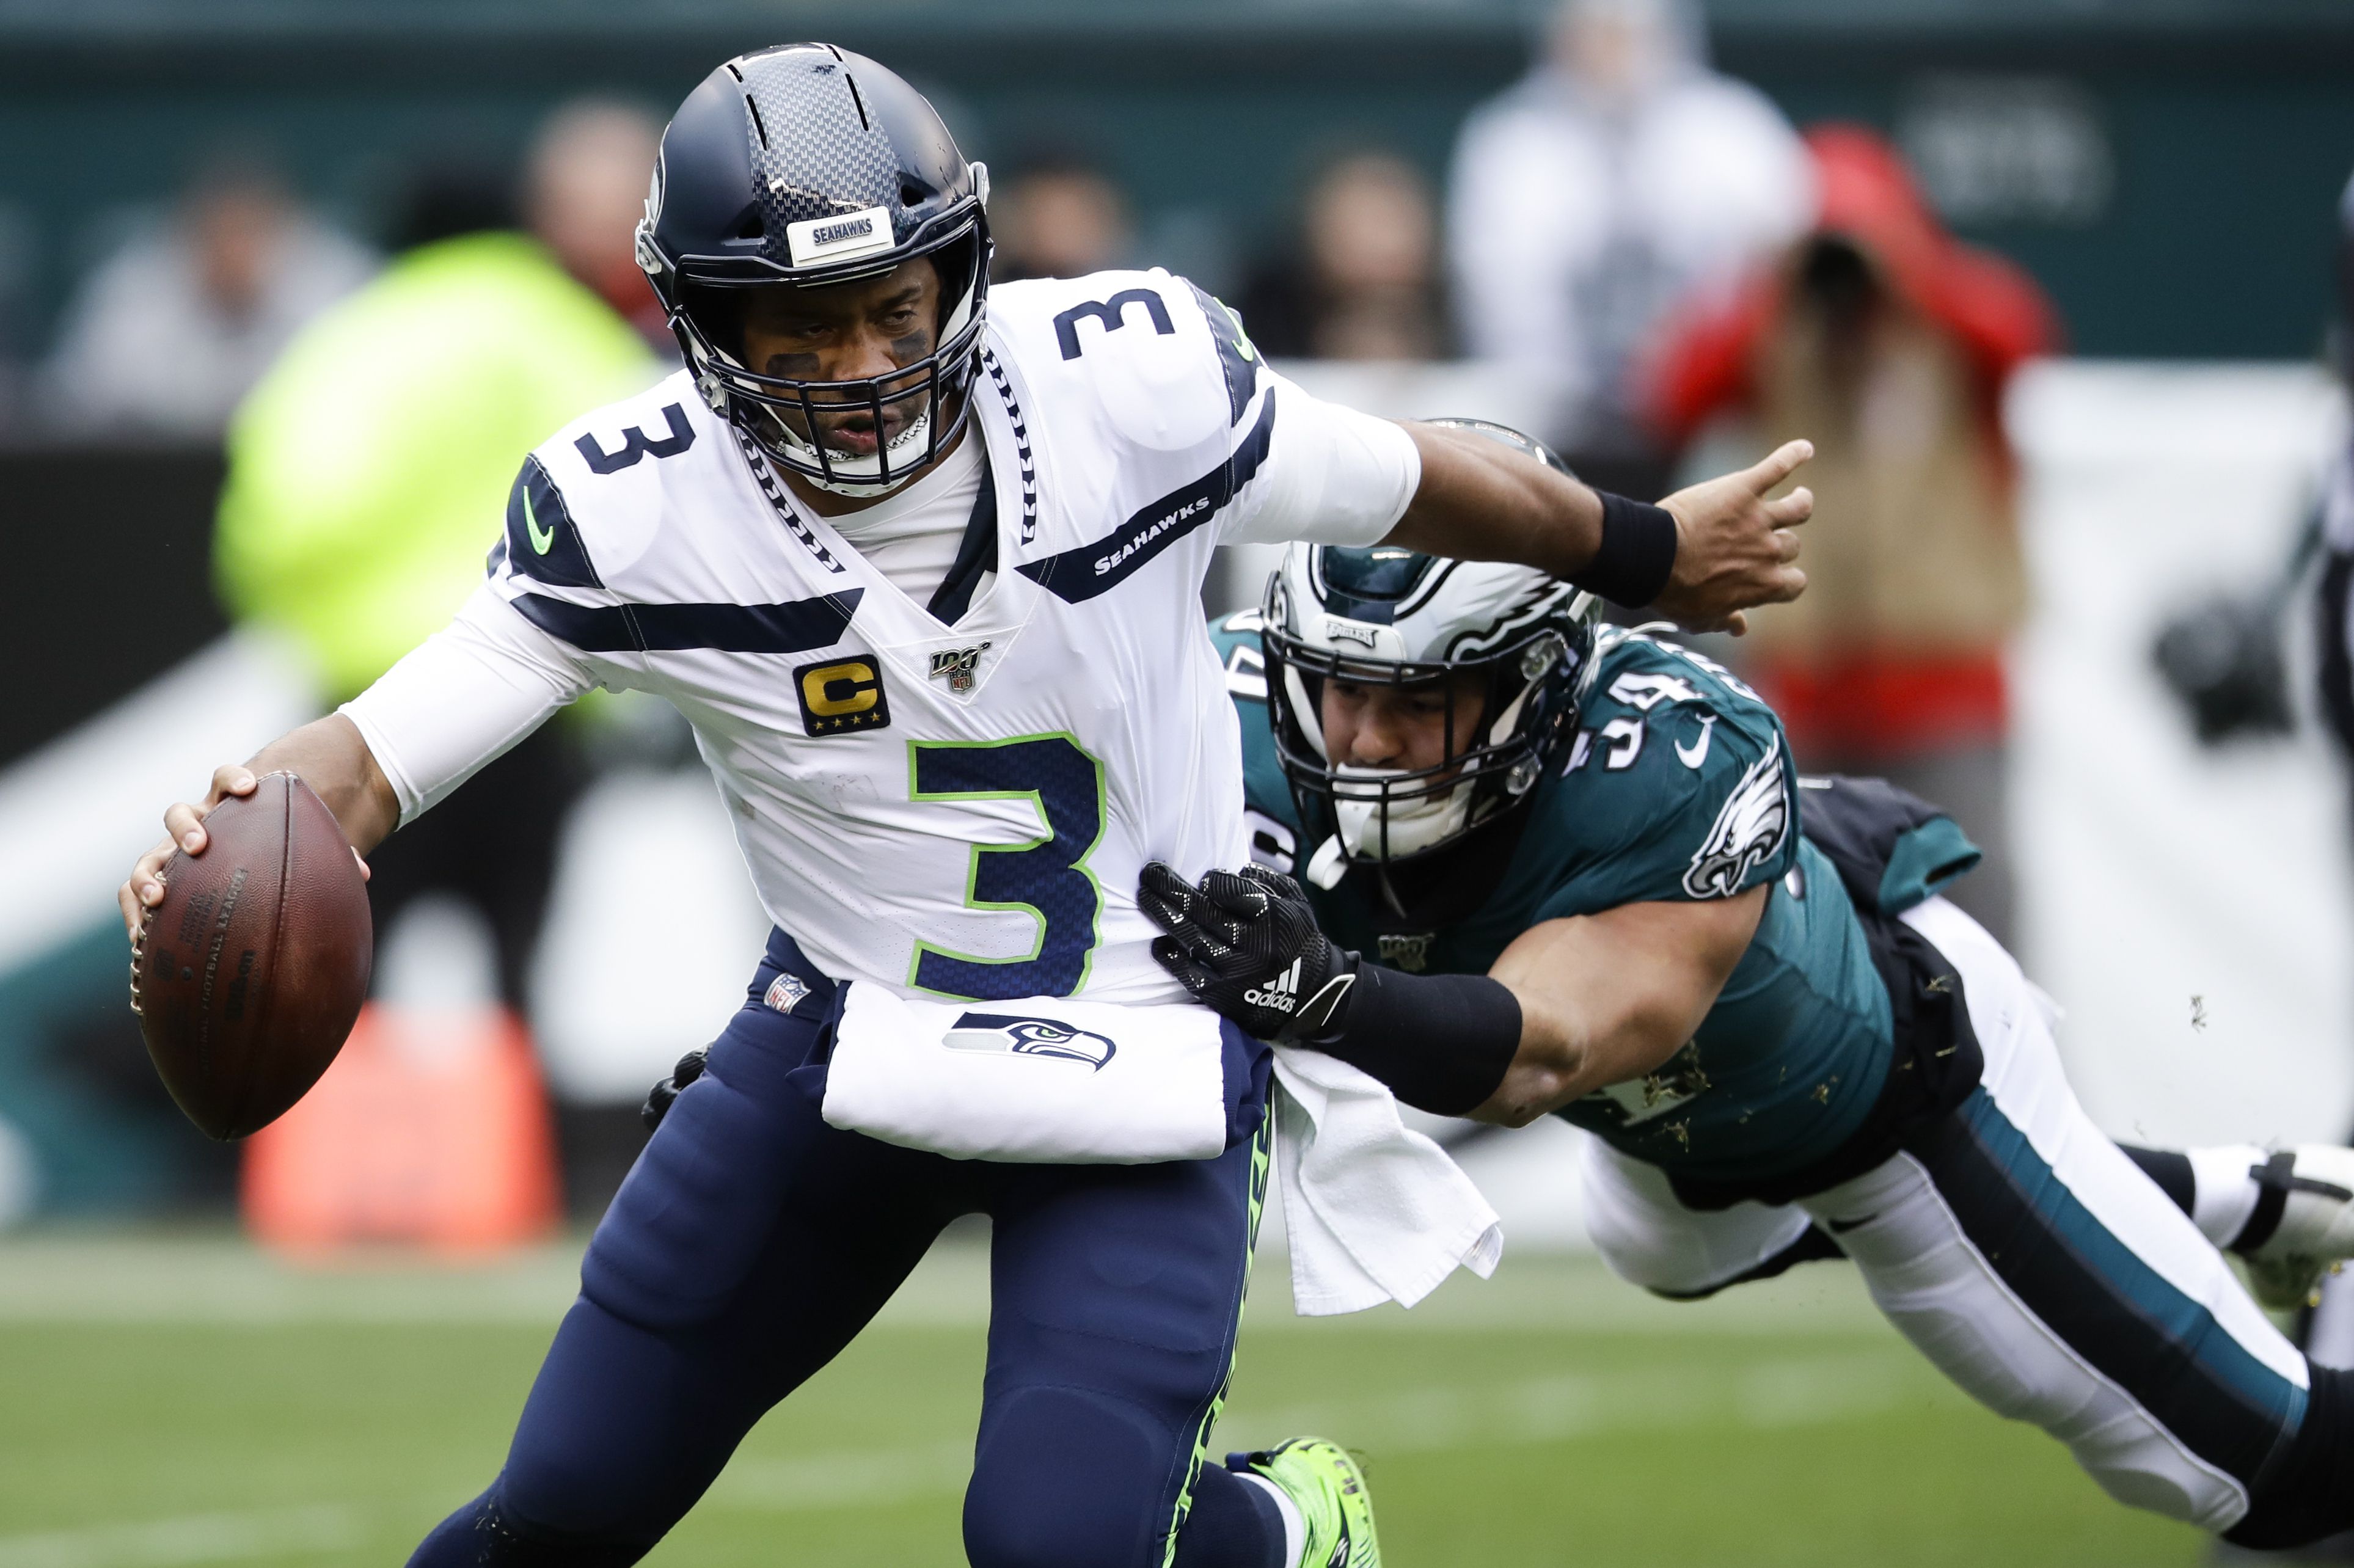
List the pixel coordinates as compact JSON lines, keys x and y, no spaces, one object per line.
{"x":306,"y":1353}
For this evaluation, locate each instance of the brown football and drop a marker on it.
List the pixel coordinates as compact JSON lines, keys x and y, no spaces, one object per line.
{"x":249,"y":974}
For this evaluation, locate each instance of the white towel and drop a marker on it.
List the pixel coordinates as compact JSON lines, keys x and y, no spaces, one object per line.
{"x":1375,"y":1211}
{"x":1043,"y":1080}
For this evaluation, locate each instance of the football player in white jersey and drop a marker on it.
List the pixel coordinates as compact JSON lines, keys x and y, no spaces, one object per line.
{"x":921,"y":563}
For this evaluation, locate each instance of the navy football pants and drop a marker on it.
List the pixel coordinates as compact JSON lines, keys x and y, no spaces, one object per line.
{"x":752,"y":1241}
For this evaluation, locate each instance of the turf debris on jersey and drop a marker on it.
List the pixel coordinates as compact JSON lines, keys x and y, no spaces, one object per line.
{"x":1067,"y":729}
{"x":1678,"y":786}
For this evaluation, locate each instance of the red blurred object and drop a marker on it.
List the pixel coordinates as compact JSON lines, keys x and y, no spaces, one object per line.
{"x":1860,"y":675}
{"x":1868,"y":196}
{"x":1873,"y":705}
{"x":431,"y":1130}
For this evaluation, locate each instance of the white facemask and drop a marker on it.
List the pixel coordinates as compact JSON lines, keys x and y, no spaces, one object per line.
{"x":1414,"y":823}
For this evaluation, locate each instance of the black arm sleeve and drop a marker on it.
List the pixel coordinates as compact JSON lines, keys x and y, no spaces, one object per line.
{"x":1441,"y":1043}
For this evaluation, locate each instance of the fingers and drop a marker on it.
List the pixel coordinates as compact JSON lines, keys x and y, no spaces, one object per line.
{"x":184,"y":825}
{"x":1191,"y":975}
{"x":1779,"y":465}
{"x":1167,"y":899}
{"x":1236,"y":896}
{"x":1789,"y":510}
{"x":146,"y":886}
{"x":1162,"y":911}
{"x":230,"y":778}
{"x":365,"y":874}
{"x":1193,"y":925}
{"x":1274,"y":882}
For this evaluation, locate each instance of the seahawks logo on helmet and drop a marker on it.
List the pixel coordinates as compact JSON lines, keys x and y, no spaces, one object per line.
{"x":1749,"y":831}
{"x":1014,"y":1035}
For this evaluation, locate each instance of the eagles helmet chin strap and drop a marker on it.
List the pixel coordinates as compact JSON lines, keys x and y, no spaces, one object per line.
{"x":1246,"y":944}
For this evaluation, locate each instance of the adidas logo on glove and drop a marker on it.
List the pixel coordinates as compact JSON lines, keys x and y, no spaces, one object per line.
{"x":1281,"y":993}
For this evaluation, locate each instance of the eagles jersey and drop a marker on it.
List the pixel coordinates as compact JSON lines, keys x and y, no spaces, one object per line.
{"x":951,"y":800}
{"x":1678,"y":786}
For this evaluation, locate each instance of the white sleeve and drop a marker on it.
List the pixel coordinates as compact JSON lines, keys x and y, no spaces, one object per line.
{"x":462,"y":697}
{"x":1333,"y":475}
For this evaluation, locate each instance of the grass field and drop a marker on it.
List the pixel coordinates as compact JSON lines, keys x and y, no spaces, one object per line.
{"x":167,"y":1401}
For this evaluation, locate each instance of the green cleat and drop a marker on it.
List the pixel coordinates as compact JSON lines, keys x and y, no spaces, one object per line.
{"x":1325,"y":1485}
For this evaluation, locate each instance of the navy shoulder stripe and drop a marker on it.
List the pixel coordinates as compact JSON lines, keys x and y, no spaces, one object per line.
{"x":1077,"y":575}
{"x":1237,"y":357}
{"x":542,"y":541}
{"x":791,"y":628}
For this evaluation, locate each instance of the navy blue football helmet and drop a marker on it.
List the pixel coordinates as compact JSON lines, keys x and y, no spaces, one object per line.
{"x":802,"y":167}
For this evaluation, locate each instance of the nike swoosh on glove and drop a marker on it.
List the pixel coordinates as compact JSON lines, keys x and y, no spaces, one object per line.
{"x":1246,"y":945}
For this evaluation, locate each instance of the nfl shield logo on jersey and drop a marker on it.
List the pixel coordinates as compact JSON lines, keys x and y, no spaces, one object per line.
{"x":956,"y":666}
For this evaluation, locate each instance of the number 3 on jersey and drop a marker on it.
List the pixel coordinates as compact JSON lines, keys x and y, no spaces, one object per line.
{"x":1046,"y":877}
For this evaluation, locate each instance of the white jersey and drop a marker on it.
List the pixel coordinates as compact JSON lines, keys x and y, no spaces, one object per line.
{"x":959,"y":809}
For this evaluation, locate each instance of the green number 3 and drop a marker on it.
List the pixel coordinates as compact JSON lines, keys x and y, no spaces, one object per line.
{"x":1046,"y":877}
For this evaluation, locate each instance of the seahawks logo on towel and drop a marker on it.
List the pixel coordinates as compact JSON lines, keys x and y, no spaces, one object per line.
{"x":1749,"y":831}
{"x":1017,"y":1036}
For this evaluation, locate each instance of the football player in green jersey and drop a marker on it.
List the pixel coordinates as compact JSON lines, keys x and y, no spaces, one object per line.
{"x":1558,"y":868}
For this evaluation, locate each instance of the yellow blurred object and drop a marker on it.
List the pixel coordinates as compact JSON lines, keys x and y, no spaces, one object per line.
{"x":368,"y":472}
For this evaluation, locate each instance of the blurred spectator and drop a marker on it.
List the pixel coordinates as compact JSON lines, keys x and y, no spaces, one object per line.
{"x":1059,"y":216}
{"x":171,"y":330}
{"x":583,"y":195}
{"x":370,"y":471}
{"x":1887,"y":344}
{"x":1589,"y":199}
{"x":2336,"y":602}
{"x":1362,"y":282}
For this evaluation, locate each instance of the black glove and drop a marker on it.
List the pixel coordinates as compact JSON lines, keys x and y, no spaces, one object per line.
{"x":659,"y":1097}
{"x":1246,"y":944}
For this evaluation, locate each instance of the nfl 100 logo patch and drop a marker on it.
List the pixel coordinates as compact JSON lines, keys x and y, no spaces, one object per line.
{"x":1407,"y":951}
{"x":957,"y":666}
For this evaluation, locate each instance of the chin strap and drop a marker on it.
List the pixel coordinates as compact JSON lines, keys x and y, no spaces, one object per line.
{"x":1329,"y":864}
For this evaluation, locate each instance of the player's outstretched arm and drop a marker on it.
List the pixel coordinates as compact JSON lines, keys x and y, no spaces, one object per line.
{"x":1572,"y":1006}
{"x":328,"y":755}
{"x":1705,"y":555}
{"x":1606,"y":998}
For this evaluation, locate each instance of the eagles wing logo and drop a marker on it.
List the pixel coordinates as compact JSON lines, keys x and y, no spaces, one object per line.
{"x":1749,"y":831}
{"x":1016,"y":1036}
{"x":957,"y":666}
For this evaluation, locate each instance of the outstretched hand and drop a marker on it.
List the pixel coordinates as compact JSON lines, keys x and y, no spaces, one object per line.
{"x":1246,"y":944}
{"x":1734,"y":548}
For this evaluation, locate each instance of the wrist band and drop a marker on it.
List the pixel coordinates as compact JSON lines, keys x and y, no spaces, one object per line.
{"x":1638,"y":551}
{"x":1441,"y":1043}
